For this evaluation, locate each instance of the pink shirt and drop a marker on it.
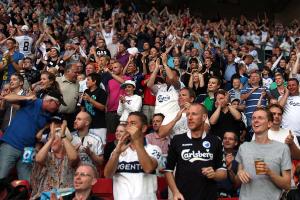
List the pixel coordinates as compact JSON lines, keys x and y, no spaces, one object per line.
{"x":114,"y":92}
{"x":162,"y":143}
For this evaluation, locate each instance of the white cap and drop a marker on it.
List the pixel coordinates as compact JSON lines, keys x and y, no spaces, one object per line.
{"x":128,"y":82}
{"x":25,"y":28}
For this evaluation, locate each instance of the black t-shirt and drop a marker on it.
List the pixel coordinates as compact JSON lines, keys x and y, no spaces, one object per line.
{"x":231,"y":124}
{"x":98,"y":116}
{"x":108,"y":149}
{"x":189,"y":156}
{"x":101,"y":52}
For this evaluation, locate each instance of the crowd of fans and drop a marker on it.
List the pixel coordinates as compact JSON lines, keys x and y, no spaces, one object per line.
{"x":72,"y":74}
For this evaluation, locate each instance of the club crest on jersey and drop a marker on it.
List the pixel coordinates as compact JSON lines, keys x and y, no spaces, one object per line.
{"x":206,"y":144}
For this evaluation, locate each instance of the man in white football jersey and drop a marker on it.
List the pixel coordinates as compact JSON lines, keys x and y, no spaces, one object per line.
{"x":24,"y":41}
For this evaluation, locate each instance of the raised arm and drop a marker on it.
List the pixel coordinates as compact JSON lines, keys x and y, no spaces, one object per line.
{"x":13,"y":98}
{"x":151,"y":80}
{"x":148,"y":163}
{"x":70,"y":149}
{"x":112,"y":164}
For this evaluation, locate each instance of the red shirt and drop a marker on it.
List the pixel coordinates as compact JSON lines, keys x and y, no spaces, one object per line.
{"x":149,"y":98}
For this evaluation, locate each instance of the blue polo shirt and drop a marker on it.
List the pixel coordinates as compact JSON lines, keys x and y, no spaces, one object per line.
{"x":25,"y":125}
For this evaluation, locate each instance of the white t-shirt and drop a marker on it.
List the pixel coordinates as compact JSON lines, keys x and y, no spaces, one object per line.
{"x":180,"y":127}
{"x":280,"y":136}
{"x":93,"y":141}
{"x":108,"y":36}
{"x":130,"y":181}
{"x":290,"y":118}
{"x":166,"y":101}
{"x":25,"y":44}
{"x":132,"y":103}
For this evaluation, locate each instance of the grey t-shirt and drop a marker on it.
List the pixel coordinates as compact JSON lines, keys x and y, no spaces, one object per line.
{"x":278,"y":158}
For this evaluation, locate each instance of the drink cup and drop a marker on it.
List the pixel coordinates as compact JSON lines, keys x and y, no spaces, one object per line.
{"x":258,"y":161}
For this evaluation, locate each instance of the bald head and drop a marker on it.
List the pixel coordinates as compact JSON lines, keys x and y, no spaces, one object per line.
{"x":82,"y":121}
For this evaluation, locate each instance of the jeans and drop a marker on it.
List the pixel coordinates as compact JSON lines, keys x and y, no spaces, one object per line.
{"x":112,"y":121}
{"x":148,"y":111}
{"x":11,"y":157}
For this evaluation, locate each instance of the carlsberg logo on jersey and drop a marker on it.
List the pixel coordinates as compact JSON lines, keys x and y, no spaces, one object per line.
{"x":196,"y":155}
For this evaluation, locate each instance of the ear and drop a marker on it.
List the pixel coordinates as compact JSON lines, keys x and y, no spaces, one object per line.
{"x":94,"y":181}
{"x":204,"y":117}
{"x":144,"y":128}
{"x":270,"y":124}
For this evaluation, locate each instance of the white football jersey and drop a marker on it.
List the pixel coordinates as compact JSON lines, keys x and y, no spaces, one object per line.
{"x":25,"y":44}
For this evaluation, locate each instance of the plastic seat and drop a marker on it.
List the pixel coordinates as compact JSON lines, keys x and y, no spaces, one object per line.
{"x":104,"y":188}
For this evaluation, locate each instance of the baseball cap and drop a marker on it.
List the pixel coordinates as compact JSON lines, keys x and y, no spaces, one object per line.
{"x":56,"y":48}
{"x":128,"y":82}
{"x":25,"y":28}
{"x":58,"y":96}
{"x":57,"y":118}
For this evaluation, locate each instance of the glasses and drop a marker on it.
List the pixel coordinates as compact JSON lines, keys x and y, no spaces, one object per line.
{"x":82,"y":174}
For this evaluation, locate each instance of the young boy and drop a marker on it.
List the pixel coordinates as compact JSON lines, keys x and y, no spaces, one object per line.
{"x":94,"y":101}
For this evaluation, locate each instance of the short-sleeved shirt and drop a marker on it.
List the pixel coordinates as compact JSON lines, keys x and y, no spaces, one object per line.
{"x":278,"y":158}
{"x":189,"y":155}
{"x":70,"y":91}
{"x":98,"y":116}
{"x":27,"y":122}
{"x":93,"y":141}
{"x":16,"y":57}
{"x":114,"y":92}
{"x":130,"y":182}
{"x":251,"y":102}
{"x":290,"y":117}
{"x":166,"y":101}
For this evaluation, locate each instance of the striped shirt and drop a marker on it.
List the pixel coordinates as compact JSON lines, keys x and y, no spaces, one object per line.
{"x":252,"y":100}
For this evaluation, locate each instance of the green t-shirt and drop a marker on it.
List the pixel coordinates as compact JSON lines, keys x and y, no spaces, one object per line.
{"x":209,"y":103}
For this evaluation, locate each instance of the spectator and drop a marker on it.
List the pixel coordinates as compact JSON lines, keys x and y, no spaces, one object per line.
{"x":224,"y":113}
{"x":179,"y":124}
{"x":153,"y":137}
{"x":69,"y":86}
{"x":24,"y":40}
{"x":227,"y":187}
{"x":196,"y":82}
{"x":130,"y":102}
{"x":149,"y":98}
{"x":230,"y":70}
{"x":11,"y":61}
{"x":47,"y":83}
{"x":252,"y":172}
{"x":251,"y":95}
{"x":30,"y":72}
{"x":10,"y":109}
{"x":56,"y":161}
{"x":131,"y":164}
{"x":116,"y":78}
{"x":208,"y":99}
{"x":94,"y":102}
{"x":33,"y":115}
{"x":110,"y":146}
{"x":235,"y":91}
{"x":280,"y":86}
{"x":166,"y":93}
{"x":291,"y":103}
{"x":192,"y":165}
{"x":85,"y":177}
{"x":89,"y":145}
